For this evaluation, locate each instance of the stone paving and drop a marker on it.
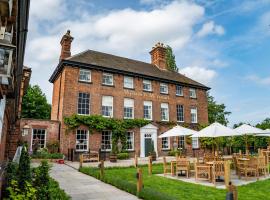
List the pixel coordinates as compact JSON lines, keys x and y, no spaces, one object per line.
{"x":83,"y":187}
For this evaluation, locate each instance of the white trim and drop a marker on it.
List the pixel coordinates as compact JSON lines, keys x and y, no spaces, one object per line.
{"x":107,"y":74}
{"x":45,"y":139}
{"x":87,"y":135}
{"x":169,"y":145}
{"x":132,"y":140}
{"x":148,"y":129}
{"x":164,"y":85}
{"x":90,"y":75}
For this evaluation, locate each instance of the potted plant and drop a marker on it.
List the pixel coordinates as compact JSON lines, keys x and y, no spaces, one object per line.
{"x":113,"y":153}
{"x":152,"y":152}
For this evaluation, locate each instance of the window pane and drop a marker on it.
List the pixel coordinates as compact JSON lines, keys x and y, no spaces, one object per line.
{"x":106,"y":142}
{"x":165,"y":143}
{"x":147,"y":85}
{"x":39,"y":138}
{"x":180,"y":113}
{"x":107,"y":79}
{"x":179,"y":90}
{"x":82,"y":140}
{"x":85,"y":75}
{"x":165,"y":112}
{"x":163,"y":88}
{"x":128,"y":82}
{"x":84,"y":103}
{"x":147,"y":110}
{"x":130,"y":140}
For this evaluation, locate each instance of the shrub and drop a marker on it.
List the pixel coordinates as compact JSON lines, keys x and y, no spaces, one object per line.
{"x":44,"y":154}
{"x":55,"y":192}
{"x":173,"y":152}
{"x":123,"y":156}
{"x":24,"y":171}
{"x":53,"y":146}
{"x":15,"y":193}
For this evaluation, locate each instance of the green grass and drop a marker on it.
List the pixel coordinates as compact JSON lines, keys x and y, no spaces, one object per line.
{"x":161,"y":188}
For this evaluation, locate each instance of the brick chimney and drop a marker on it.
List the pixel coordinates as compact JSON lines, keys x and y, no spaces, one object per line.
{"x":66,"y":45}
{"x":158,"y":56}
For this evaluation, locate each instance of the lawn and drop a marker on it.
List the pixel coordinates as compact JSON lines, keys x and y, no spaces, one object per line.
{"x":161,"y":188}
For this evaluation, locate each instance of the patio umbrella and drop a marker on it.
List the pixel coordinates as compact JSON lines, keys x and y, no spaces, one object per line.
{"x":215,"y":130}
{"x":246,"y":130}
{"x":265,"y":134}
{"x":178,"y":131}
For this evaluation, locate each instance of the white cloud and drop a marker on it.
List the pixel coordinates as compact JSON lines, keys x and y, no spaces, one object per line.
{"x":199,"y":74}
{"x":210,"y":28}
{"x":259,"y":80}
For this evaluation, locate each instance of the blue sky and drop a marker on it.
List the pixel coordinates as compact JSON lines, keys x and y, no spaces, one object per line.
{"x":223,"y":44}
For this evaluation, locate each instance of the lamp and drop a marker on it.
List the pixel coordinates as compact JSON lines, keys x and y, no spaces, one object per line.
{"x":25,"y":130}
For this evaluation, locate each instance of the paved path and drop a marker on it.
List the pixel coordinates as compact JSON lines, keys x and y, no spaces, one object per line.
{"x":83,"y":187}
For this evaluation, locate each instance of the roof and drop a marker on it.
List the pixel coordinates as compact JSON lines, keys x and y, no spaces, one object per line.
{"x":94,"y":59}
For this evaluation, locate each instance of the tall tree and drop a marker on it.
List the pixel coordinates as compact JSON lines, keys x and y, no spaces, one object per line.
{"x":170,"y":59}
{"x":265,"y":124}
{"x":35,"y":104}
{"x":217,"y":112}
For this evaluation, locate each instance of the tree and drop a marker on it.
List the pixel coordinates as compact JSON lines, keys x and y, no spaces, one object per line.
{"x":217,"y":112}
{"x":265,"y":124}
{"x":35,"y":104}
{"x":170,"y":59}
{"x":24,"y":170}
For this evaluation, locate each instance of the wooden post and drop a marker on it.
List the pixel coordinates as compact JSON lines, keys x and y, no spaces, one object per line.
{"x":150,"y":165}
{"x":101,"y":167}
{"x":139,"y":180}
{"x":164,"y":166}
{"x":240,"y":152}
{"x":227,"y":169}
{"x":233,"y":189}
{"x":135,"y":161}
{"x":81,"y":160}
{"x":259,"y":152}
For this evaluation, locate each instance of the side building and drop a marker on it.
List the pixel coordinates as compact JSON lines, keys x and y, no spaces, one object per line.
{"x":96,"y":83}
{"x":14,"y":77}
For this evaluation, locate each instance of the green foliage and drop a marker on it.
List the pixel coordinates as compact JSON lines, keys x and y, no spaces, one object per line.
{"x":24,"y":171}
{"x":53,"y":146}
{"x":265,"y":124}
{"x":34,"y":104}
{"x":217,"y":112}
{"x":11,"y":173}
{"x":119,"y":127}
{"x":16,"y":193}
{"x":173,"y":152}
{"x":55,"y":192}
{"x":44,"y":154}
{"x":170,"y":59}
{"x":122,"y":156}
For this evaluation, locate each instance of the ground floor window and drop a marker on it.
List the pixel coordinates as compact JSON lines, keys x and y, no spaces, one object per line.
{"x":82,"y":140}
{"x":181,"y":142}
{"x":130,"y":141}
{"x":106,"y":141}
{"x":195,"y":143}
{"x":39,"y":138}
{"x":165,"y":143}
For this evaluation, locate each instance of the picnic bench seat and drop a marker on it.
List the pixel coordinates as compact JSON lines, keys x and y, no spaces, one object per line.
{"x":92,"y":156}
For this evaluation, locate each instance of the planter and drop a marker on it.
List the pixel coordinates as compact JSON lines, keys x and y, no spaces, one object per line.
{"x":154,"y":156}
{"x":113,"y":158}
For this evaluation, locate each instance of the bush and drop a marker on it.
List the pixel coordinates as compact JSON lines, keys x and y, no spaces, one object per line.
{"x":16,"y":193}
{"x":123,"y":156}
{"x":55,"y":192}
{"x":53,"y":146}
{"x":24,"y":170}
{"x":44,"y":154}
{"x":173,"y":152}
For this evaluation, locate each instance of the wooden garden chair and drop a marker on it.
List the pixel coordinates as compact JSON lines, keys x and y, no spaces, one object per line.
{"x":218,"y":170}
{"x":183,"y":164}
{"x":262,"y":167}
{"x":91,"y":156}
{"x":247,"y":167}
{"x":202,"y":172}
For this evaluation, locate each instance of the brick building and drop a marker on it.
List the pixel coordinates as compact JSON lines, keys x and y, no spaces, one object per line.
{"x":93,"y":82}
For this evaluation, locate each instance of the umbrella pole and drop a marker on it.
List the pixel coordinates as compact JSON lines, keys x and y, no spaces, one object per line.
{"x":246,"y":144}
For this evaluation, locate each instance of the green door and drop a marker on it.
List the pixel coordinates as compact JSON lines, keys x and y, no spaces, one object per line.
{"x":147,"y":147}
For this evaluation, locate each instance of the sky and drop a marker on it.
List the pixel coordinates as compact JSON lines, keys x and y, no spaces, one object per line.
{"x":224,"y":44}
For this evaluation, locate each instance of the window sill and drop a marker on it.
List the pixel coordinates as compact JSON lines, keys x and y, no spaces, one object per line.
{"x":129,"y":88}
{"x":177,"y":95}
{"x":164,"y":93}
{"x":106,"y":151}
{"x":128,"y":118}
{"x":165,"y":149}
{"x":193,"y":98}
{"x":107,"y":85}
{"x":86,"y":82}
{"x":81,"y":151}
{"x":150,"y":91}
{"x":165,"y":120}
{"x":181,"y":121}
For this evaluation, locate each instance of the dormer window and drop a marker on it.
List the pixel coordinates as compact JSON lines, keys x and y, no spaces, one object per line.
{"x":107,"y":79}
{"x":147,"y":85}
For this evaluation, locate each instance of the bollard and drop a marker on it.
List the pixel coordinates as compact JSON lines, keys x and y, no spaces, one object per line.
{"x":227,"y":175}
{"x":164,"y":166}
{"x":81,"y":160}
{"x":135,"y":161}
{"x":150,"y":165}
{"x":101,"y":167}
{"x":232,"y":192}
{"x":139,"y":180}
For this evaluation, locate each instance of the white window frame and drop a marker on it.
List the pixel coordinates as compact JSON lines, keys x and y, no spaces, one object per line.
{"x":164,"y":86}
{"x":132,"y":140}
{"x":181,"y":142}
{"x":32,"y":137}
{"x":168,"y":143}
{"x":164,"y":107}
{"x":104,"y":79}
{"x":127,"y":84}
{"x":148,"y":104}
{"x":83,"y":73}
{"x":129,"y":103}
{"x":87,"y":140}
{"x":147,"y":82}
{"x":83,"y":104}
{"x":195,"y":143}
{"x":102,"y":145}
{"x":193,"y":111}
{"x":176,"y":90}
{"x":107,"y":105}
{"x":182,"y":112}
{"x":192,"y":93}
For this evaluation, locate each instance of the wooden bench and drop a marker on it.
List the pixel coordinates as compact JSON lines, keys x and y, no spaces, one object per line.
{"x":92,"y":156}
